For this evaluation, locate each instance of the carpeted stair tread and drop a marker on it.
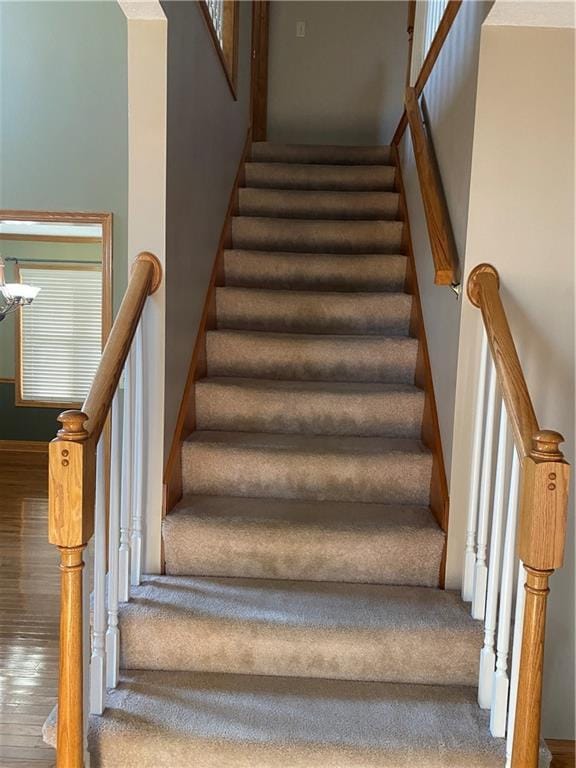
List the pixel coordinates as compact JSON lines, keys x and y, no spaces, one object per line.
{"x":315,"y":271}
{"x":368,"y":469}
{"x":192,"y":720}
{"x":256,"y":354}
{"x":261,"y":309}
{"x":305,"y":235}
{"x":269,"y":152}
{"x":309,"y":407}
{"x":300,"y":629}
{"x":310,"y":540}
{"x":317,"y":204}
{"x":376,"y":178}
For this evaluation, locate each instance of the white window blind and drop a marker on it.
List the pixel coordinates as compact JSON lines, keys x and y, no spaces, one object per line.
{"x":216,"y":11}
{"x":434,"y":12}
{"x":61,"y":331}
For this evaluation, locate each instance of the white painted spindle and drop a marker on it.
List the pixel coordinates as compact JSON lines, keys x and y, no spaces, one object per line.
{"x":470,"y":554}
{"x":138,"y":455}
{"x":515,"y":669}
{"x":488,"y":654}
{"x":112,"y":633}
{"x":85,"y":656}
{"x":501,"y":682}
{"x":481,"y":569}
{"x":126,"y":494}
{"x":98,"y":658}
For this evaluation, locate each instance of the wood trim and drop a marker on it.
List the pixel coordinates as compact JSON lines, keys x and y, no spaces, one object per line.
{"x":186,"y":421}
{"x":431,"y":437}
{"x":438,"y":222}
{"x":7,"y":380}
{"x":259,"y":72}
{"x":563,"y":753}
{"x":24,"y":446}
{"x":229,"y":55}
{"x":410,"y":31}
{"x":483,"y":291}
{"x":428,"y":64}
{"x":52,"y":238}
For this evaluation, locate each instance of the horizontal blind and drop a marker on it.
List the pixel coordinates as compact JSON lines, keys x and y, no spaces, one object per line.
{"x":216,"y":11}
{"x":61,"y":333}
{"x":434,"y":12}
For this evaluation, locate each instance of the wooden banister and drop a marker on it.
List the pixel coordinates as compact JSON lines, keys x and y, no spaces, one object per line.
{"x":71,"y":494}
{"x":542,"y":510}
{"x":438,"y":223}
{"x":145,"y":278}
{"x":484,"y":292}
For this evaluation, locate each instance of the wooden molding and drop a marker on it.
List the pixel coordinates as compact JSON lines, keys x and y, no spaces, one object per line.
{"x":259,"y":72}
{"x":52,"y":238}
{"x":410,"y":31}
{"x":439,"y":499}
{"x":186,"y":421}
{"x":563,"y":753}
{"x":24,"y":446}
{"x":438,"y":222}
{"x":7,"y":380}
{"x":228,"y":55}
{"x":428,"y":64}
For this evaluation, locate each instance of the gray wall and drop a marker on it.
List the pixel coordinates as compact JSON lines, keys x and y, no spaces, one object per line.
{"x":450,"y":97}
{"x":64,"y":121}
{"x":206,"y":134}
{"x":343,"y":82}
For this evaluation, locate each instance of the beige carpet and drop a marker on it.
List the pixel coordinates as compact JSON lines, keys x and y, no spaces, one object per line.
{"x":300,"y":622}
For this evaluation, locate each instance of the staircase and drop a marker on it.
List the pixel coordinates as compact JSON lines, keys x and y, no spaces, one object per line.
{"x":300,"y":622}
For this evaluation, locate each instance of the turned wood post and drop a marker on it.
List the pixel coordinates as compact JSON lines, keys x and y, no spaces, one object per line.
{"x":71,"y":487}
{"x":542,"y":529}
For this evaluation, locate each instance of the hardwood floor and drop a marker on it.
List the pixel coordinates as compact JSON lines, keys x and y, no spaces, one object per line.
{"x":29,"y":581}
{"x":29,"y":588}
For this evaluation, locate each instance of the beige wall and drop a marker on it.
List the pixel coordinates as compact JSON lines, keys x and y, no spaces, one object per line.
{"x":521,"y":220}
{"x":343,"y":82}
{"x":450,"y":96}
{"x":206,"y":134}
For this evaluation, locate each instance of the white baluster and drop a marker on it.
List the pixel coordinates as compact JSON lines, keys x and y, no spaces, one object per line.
{"x":98,"y":658}
{"x":112,"y":633}
{"x":481,"y":569}
{"x":470,"y":554}
{"x":85,"y":656}
{"x":501,"y":682}
{"x":516,"y":651}
{"x":138,"y":456}
{"x":487,"y":654}
{"x":126,"y":495}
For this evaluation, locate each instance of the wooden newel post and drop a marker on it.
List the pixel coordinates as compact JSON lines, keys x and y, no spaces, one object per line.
{"x":71,"y":488}
{"x":542,"y":530}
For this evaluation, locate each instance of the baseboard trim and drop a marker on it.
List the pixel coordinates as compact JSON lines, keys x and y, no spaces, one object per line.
{"x":186,"y":421}
{"x":439,"y":499}
{"x":24,"y":446}
{"x":563,"y":752}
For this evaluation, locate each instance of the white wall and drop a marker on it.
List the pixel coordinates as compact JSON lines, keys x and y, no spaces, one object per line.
{"x":342,"y":83}
{"x":207,"y":131}
{"x":147,"y":70}
{"x":521,"y":220}
{"x":450,"y":96}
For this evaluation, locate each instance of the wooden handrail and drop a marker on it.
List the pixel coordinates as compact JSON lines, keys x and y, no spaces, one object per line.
{"x":145,"y":278}
{"x":542,"y":511}
{"x":484,"y":292}
{"x":428,"y":64}
{"x":71,"y":493}
{"x":438,"y":223}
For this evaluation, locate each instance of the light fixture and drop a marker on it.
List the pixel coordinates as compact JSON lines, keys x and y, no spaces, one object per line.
{"x":14,"y":295}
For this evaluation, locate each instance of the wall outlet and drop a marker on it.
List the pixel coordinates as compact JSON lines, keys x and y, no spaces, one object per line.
{"x":300,"y":29}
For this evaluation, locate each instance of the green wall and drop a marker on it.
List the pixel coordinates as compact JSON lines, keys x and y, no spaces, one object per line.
{"x":63,"y":138}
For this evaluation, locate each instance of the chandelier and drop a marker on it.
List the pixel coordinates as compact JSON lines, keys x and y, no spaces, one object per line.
{"x":14,"y":295}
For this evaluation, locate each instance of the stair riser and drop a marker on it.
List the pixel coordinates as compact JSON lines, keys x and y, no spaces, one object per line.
{"x":311,"y":359}
{"x":373,"y":557}
{"x":317,"y":236}
{"x":267,"y":152}
{"x":374,"y":178}
{"x":296,"y":204}
{"x":396,"y":478}
{"x":306,"y":312}
{"x":311,"y":271}
{"x":250,"y":648}
{"x":392,"y":414}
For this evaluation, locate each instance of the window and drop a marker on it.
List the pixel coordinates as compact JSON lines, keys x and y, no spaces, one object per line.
{"x":222,"y":20}
{"x":60,"y":334}
{"x":434,"y":12}
{"x":429,"y":14}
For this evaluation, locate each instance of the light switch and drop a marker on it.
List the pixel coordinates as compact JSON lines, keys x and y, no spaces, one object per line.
{"x":300,"y":29}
